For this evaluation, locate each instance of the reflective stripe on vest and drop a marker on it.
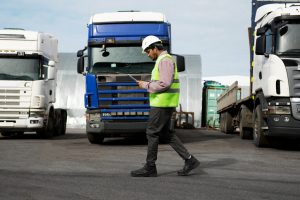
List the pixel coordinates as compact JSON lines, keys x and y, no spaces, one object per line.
{"x":169,"y":97}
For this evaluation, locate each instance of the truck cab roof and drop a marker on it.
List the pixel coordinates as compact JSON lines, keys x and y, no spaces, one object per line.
{"x":265,"y":14}
{"x":127,"y":16}
{"x":13,"y":41}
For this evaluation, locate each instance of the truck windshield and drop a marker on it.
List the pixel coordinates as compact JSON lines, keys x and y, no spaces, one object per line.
{"x":288,"y":40}
{"x":120,"y":60}
{"x":15,"y":68}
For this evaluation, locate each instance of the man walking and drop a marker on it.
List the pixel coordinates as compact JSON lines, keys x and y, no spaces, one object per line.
{"x":164,"y":98}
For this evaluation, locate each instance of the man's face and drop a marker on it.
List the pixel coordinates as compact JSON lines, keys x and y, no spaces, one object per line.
{"x":152,"y":53}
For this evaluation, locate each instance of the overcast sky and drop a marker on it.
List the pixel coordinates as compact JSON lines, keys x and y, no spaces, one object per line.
{"x":215,"y":30}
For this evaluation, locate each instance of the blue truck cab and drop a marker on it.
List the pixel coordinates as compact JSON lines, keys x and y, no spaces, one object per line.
{"x":115,"y":105}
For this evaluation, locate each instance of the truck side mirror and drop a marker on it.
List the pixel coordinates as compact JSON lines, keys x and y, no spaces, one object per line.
{"x":80,"y":65}
{"x":79,"y":53}
{"x":51,"y":72}
{"x":180,"y":61}
{"x":260,"y":47}
{"x":261,"y":31}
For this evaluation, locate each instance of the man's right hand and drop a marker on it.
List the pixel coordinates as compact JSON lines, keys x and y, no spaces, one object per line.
{"x":140,"y":83}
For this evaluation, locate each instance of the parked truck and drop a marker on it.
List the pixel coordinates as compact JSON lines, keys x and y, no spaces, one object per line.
{"x":27,"y":84}
{"x":115,"y":105}
{"x":272,"y":109}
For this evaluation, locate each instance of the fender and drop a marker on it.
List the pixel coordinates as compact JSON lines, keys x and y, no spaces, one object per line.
{"x":49,"y":109}
{"x":260,"y":99}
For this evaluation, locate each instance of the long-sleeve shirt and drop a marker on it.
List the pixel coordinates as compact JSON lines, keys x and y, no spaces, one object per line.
{"x":166,"y":74}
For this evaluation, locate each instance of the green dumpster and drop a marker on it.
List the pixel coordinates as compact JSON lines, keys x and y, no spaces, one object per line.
{"x":211,"y":91}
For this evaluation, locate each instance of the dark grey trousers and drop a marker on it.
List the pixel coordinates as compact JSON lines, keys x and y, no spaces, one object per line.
{"x":159,"y":126}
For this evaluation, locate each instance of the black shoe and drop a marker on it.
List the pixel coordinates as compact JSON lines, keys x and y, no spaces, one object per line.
{"x":189,"y":165}
{"x":146,"y":171}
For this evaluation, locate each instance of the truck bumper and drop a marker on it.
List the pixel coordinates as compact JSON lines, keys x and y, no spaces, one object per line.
{"x":116,"y":128}
{"x":283,"y":126}
{"x":21,"y":124}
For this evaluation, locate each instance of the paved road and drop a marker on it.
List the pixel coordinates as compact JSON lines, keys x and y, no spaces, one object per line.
{"x":68,"y":167}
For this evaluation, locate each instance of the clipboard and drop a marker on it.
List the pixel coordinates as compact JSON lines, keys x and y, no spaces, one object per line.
{"x":132,"y":78}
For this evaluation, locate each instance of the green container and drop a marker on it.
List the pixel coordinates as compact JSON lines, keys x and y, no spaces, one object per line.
{"x":211,"y":91}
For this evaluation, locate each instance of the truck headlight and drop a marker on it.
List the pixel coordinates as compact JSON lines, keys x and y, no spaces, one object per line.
{"x":279,"y":110}
{"x":93,"y":117}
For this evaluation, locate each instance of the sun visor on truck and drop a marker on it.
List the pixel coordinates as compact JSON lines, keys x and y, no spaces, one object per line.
{"x":99,"y":33}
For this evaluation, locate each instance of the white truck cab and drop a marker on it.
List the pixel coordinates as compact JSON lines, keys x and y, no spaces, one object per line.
{"x":272,"y":108}
{"x":27,"y":84}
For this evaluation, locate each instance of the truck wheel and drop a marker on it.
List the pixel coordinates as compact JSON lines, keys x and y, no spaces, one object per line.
{"x":259,"y":137}
{"x":95,"y":138}
{"x":245,"y":133}
{"x":60,"y":119}
{"x":64,"y":122}
{"x":49,"y":130}
{"x":228,"y":128}
{"x":222,"y":129}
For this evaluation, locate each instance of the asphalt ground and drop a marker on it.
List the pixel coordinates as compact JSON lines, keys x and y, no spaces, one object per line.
{"x":69,"y":167}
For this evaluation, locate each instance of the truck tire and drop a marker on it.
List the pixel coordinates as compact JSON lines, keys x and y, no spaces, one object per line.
{"x":222,"y":122}
{"x":64,"y":122}
{"x":95,"y":138}
{"x":228,"y":128}
{"x":259,"y":134}
{"x":245,"y":133}
{"x":245,"y":122}
{"x":49,"y":130}
{"x":60,"y":121}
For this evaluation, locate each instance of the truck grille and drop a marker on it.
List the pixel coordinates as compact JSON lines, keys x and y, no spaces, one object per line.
{"x":293,"y":71}
{"x":123,"y":101}
{"x":294,"y":81}
{"x":14,"y":103}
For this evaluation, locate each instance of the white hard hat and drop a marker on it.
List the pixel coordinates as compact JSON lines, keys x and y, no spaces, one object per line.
{"x":151,"y":39}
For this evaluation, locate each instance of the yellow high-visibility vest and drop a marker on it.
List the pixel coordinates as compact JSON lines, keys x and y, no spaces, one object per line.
{"x":169,"y":97}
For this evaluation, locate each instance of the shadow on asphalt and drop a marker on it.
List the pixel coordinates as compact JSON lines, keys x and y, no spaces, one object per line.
{"x":198,"y":135}
{"x":288,"y":144}
{"x":124,"y":141}
{"x":32,"y":136}
{"x":285,"y":144}
{"x":218,"y":163}
{"x":185,"y":135}
{"x":210,"y":164}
